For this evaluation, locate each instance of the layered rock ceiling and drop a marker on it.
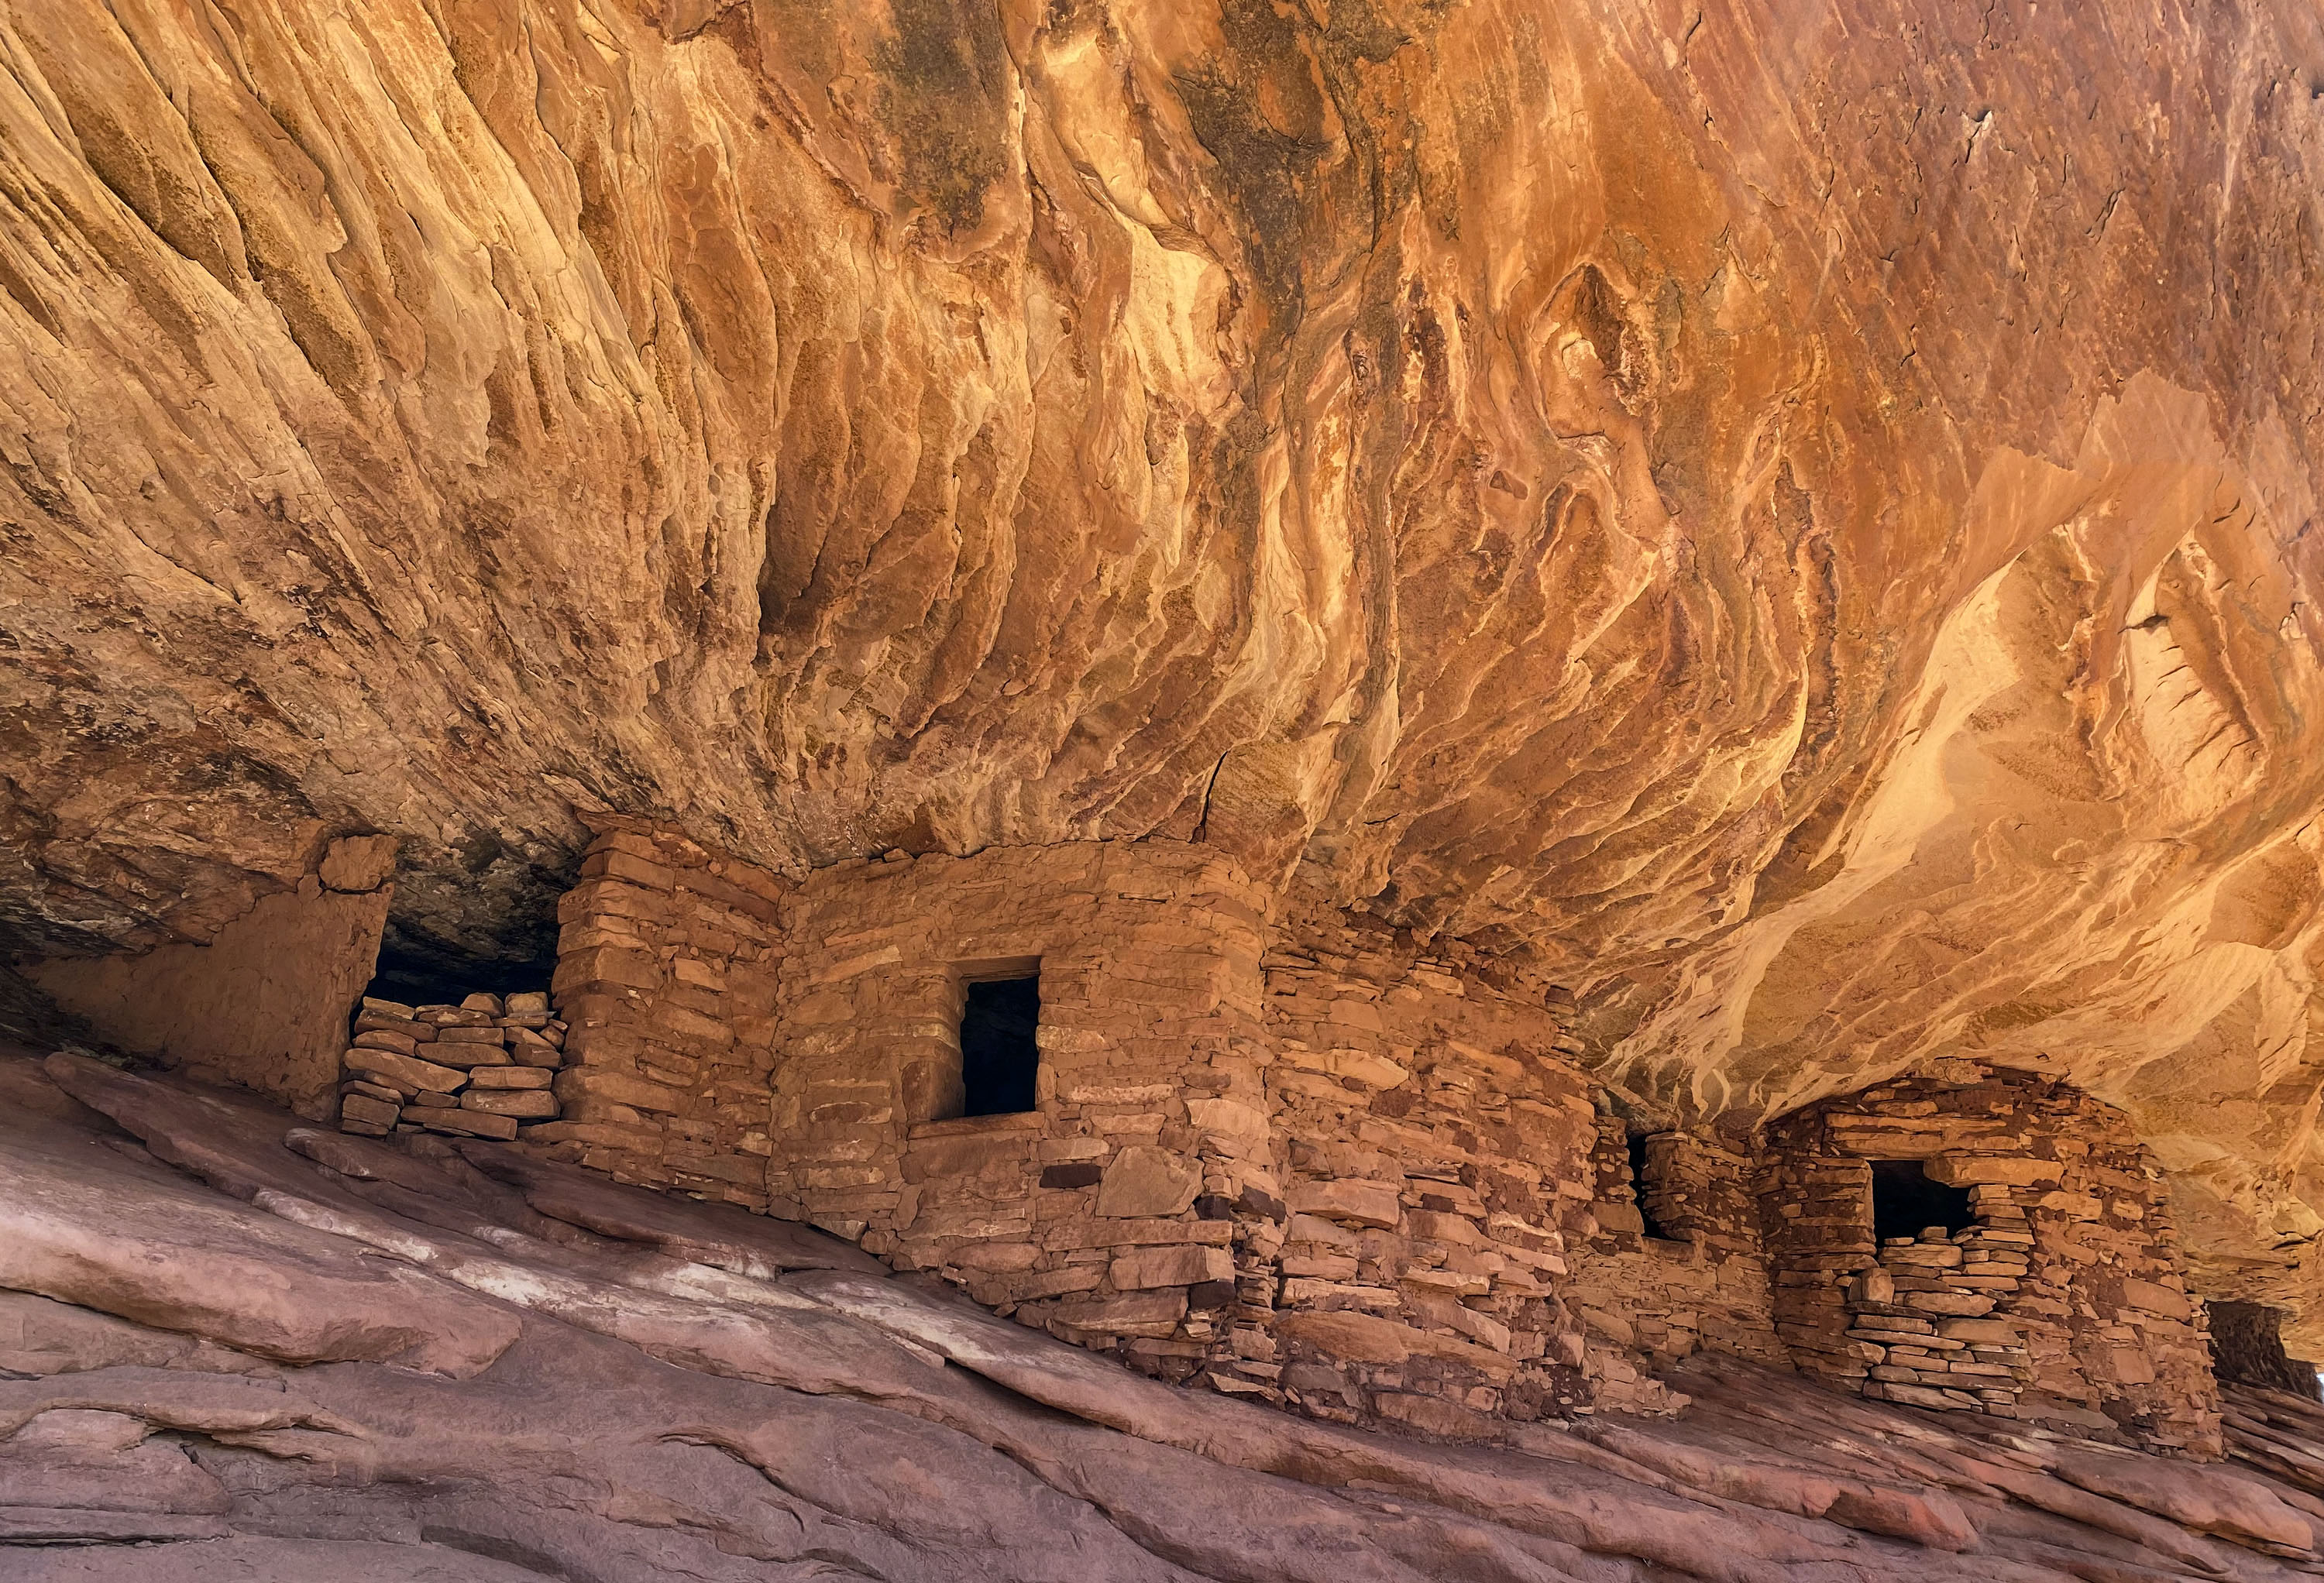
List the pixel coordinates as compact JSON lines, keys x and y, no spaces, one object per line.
{"x":1793,"y":519}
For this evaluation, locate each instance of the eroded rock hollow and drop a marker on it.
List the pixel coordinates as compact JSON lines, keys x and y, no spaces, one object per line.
{"x":1609,"y":690}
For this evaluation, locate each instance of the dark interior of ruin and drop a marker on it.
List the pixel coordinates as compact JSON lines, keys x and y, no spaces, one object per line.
{"x":1905,"y":1202}
{"x":997,"y":1055}
{"x":1650,"y":1226}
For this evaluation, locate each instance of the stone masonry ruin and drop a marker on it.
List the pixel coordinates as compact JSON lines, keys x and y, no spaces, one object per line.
{"x":1097,"y":792}
{"x":2066,"y":1281}
{"x":1299,"y":1158}
{"x":1338,"y":1174}
{"x":1295,"y":1156}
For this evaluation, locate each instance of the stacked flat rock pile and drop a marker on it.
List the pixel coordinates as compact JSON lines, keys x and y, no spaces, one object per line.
{"x":1923,"y":1311}
{"x":481,"y":1069}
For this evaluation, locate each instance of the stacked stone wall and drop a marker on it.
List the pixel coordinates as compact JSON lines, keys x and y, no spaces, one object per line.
{"x":1315,"y":1163}
{"x":1435,"y":1156}
{"x":2067,"y":1298}
{"x":794,"y":1047}
{"x":1649,"y":1301}
{"x":1925,"y":1309}
{"x":667,"y":953}
{"x":1343,"y":1182}
{"x":1117,"y":1213}
{"x":483,"y":1068}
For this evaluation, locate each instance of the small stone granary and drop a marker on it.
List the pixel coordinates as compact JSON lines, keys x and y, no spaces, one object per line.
{"x":1303,"y":1159}
{"x":1958,"y":1239}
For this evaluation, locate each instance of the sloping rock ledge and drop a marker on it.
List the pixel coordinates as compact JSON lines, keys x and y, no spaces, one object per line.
{"x":233,"y":1347}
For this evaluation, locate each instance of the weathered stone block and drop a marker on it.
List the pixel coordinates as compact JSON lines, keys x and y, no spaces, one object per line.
{"x":832,"y":972}
{"x":377,"y":1038}
{"x":2150,"y":1297}
{"x":1439,"y":1226}
{"x":683,"y":1023}
{"x":509,"y":1077}
{"x":1033,"y":1287}
{"x":1079,"y":1232}
{"x":744,"y":1170}
{"x":530,"y":1104}
{"x":1145,"y":1182}
{"x":1155,"y":1313}
{"x":599,"y":1135}
{"x":447,"y":1052}
{"x":631,"y":867}
{"x":1994,"y":1170}
{"x":603,"y":965}
{"x":1352,"y":1200}
{"x":359,"y":1108}
{"x":1331,"y":1296}
{"x":406,"y":1074}
{"x":578,"y":1082}
{"x":1620,"y":1217}
{"x":949,"y":1158}
{"x":1365,"y":1337}
{"x":1005,"y":1257}
{"x":1182,"y":1266}
{"x":466,"y":1123}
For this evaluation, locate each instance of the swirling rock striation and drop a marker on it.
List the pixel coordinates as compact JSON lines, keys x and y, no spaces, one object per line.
{"x":1795,"y":523}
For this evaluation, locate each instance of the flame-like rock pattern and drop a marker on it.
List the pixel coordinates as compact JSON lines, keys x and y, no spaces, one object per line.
{"x":1795,"y":520}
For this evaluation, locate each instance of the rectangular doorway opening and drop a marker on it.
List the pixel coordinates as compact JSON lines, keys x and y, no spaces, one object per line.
{"x":999,"y":1052}
{"x":1638,"y":1168}
{"x":1905,"y":1202}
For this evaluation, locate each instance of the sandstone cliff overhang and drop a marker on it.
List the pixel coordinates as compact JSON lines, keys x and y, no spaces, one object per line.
{"x":1794,"y":525}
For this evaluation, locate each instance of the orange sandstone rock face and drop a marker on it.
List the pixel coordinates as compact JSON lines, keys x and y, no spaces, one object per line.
{"x":1796,"y":528}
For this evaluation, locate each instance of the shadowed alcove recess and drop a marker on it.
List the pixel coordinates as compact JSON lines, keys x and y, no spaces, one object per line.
{"x":1905,"y":1201}
{"x":997,"y":1053}
{"x":419,"y":971}
{"x":1641,"y":1167}
{"x":477,"y":913}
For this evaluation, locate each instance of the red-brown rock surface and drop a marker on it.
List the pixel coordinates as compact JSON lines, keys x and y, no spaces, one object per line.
{"x":1798,"y":518}
{"x":347,"y":1358}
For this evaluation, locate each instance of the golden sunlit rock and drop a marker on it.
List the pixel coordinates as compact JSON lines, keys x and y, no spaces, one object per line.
{"x":1793,"y":525}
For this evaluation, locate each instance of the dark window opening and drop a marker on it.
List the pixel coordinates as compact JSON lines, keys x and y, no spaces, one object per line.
{"x":1905,"y":1202}
{"x":997,"y":1057}
{"x":420,"y":969}
{"x":1652,"y":1228}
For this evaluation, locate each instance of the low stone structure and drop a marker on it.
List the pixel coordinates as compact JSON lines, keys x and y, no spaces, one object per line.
{"x":1303,"y":1157}
{"x":1434,"y":1140}
{"x":665,"y":978}
{"x":1667,"y":1263}
{"x":2065,"y":1287}
{"x":1311,"y":1162}
{"x":480,"y":1069}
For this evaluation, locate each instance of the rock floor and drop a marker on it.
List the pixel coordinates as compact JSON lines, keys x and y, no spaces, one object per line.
{"x":237,"y":1348}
